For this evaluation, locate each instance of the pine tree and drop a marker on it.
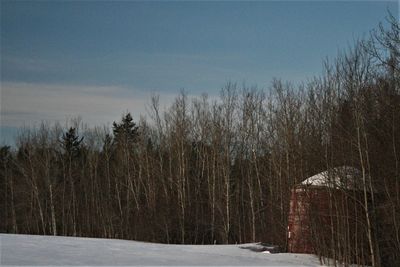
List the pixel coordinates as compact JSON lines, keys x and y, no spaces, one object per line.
{"x":71,"y":143}
{"x":126,"y":132}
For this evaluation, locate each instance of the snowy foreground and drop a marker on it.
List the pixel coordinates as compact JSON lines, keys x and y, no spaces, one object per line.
{"x":66,"y":251}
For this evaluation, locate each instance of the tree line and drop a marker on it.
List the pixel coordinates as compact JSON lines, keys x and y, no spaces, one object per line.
{"x":219,"y":171}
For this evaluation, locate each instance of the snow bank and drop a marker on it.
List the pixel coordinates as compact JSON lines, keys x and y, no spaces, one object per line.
{"x":70,"y":251}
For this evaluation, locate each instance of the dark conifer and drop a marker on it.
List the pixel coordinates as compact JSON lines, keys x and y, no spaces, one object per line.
{"x":71,"y":142}
{"x":125,"y":132}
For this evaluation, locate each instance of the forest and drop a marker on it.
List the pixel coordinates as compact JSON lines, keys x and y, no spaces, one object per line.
{"x":220,"y":170}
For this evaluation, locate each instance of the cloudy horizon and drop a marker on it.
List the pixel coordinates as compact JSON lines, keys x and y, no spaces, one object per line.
{"x":98,"y":60}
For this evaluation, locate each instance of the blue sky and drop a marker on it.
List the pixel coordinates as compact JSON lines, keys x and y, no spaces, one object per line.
{"x":98,"y":59}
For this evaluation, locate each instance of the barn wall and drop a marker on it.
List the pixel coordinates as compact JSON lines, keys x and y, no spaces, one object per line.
{"x":299,"y":236}
{"x":327,"y":222}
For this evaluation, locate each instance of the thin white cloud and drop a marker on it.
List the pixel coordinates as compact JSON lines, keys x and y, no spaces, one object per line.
{"x":30,"y":103}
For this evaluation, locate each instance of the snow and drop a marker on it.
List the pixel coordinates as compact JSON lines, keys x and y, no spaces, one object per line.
{"x":343,"y":177}
{"x":66,"y":251}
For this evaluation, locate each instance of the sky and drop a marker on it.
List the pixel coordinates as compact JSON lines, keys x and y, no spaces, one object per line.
{"x":99,"y":59}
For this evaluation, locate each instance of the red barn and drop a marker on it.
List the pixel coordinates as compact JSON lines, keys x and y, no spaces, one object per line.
{"x":320,"y":207}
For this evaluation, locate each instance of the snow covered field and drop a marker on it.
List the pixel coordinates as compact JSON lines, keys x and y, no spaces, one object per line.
{"x":66,"y":251}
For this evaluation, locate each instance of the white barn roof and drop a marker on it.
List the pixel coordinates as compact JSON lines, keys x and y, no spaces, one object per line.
{"x":344,"y":177}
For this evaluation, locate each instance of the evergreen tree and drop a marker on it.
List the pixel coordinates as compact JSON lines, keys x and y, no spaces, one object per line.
{"x":71,"y":143}
{"x":126,"y":132}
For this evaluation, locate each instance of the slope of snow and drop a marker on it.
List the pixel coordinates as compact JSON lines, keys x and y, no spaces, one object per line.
{"x":62,"y":251}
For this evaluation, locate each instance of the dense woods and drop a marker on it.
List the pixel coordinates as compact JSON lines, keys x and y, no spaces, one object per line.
{"x":220,"y":170}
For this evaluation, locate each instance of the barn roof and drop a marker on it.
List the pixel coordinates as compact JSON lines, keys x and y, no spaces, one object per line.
{"x":343,"y":177}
